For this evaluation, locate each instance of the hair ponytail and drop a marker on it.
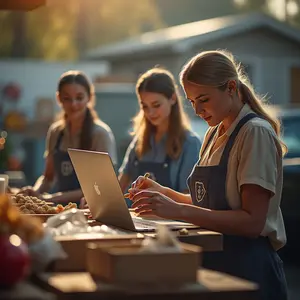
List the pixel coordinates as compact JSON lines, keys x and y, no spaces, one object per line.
{"x":86,"y":135}
{"x":249,"y":96}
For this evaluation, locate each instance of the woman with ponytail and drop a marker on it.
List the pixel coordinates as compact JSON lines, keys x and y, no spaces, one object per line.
{"x":78,"y":126}
{"x":235,"y":187}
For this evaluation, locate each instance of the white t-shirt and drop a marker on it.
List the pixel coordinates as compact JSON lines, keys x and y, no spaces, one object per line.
{"x":103,"y":139}
{"x":255,"y":158}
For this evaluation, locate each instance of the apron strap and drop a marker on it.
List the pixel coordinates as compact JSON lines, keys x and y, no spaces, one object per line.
{"x":60,"y":136}
{"x":178,"y":172}
{"x":208,"y":142}
{"x":231,"y":140}
{"x":168,"y":160}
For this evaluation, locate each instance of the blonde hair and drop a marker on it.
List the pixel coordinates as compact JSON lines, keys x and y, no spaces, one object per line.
{"x":161,"y":81}
{"x":216,"y":68}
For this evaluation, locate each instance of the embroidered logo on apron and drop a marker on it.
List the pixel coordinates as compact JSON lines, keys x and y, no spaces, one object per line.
{"x":66,"y":168}
{"x":200,"y":190}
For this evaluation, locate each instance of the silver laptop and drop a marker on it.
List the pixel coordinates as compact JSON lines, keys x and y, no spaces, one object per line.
{"x":104,"y":196}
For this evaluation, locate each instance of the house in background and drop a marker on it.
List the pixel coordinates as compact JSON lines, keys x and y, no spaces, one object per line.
{"x":268,"y":49}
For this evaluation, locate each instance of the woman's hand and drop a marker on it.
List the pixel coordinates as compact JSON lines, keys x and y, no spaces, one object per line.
{"x":29,"y":191}
{"x":144,"y":183}
{"x":83,"y":203}
{"x":154,"y":203}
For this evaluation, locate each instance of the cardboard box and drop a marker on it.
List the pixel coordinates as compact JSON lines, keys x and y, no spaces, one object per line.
{"x":126,"y":264}
{"x":76,"y":249}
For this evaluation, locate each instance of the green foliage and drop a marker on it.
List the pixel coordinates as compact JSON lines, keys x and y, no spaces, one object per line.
{"x":62,"y":30}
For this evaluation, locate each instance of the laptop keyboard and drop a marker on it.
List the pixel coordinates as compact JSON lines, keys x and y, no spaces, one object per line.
{"x":150,"y":224}
{"x":142,"y":223}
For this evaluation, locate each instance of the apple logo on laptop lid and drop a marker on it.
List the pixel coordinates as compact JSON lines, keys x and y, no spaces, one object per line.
{"x":96,"y":187}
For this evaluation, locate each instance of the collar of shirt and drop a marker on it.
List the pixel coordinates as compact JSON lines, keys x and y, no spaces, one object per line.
{"x":71,"y":140}
{"x":243,"y":112}
{"x":154,"y":144}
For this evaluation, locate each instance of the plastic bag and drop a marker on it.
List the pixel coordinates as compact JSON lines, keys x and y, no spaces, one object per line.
{"x":73,"y":222}
{"x":164,"y":242}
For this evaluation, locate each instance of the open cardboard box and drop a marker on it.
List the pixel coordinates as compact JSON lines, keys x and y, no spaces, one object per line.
{"x":76,"y":249}
{"x":126,"y":264}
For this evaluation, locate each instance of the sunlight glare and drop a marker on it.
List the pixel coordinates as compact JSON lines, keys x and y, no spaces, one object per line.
{"x":240,"y":2}
{"x":292,"y":8}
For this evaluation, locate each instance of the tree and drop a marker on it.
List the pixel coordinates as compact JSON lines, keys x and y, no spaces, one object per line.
{"x":19,"y":41}
{"x":121,"y":19}
{"x":66,"y":29}
{"x":6,"y":30}
{"x":284,"y":10}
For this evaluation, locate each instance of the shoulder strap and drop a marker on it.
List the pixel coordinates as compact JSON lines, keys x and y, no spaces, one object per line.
{"x":60,"y":136}
{"x":210,"y":139}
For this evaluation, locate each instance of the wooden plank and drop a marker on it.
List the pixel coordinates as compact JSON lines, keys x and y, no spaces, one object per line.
{"x":25,"y":291}
{"x":211,"y":285}
{"x":209,"y":240}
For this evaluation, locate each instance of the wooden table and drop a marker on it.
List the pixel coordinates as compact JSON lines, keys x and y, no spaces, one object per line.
{"x":26,"y":291}
{"x":209,"y":240}
{"x":211,"y":286}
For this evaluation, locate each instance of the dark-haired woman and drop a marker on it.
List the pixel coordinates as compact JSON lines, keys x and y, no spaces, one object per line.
{"x":79,"y":127}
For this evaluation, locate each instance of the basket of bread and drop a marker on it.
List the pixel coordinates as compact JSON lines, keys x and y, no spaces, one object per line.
{"x":34,"y":206}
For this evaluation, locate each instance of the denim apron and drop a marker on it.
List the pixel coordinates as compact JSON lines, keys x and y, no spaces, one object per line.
{"x":159,"y":172}
{"x":253,"y":259}
{"x":66,"y":179}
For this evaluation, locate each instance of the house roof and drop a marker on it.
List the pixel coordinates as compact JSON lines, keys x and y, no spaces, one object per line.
{"x":182,"y":37}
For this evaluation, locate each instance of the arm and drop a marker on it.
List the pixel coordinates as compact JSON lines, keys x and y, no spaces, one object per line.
{"x":247,"y":221}
{"x":44,"y":182}
{"x":65,"y":197}
{"x":126,"y":170}
{"x":259,"y":158}
{"x":177,"y":196}
{"x":104,"y":141}
{"x":124,"y":180}
{"x":190,"y":157}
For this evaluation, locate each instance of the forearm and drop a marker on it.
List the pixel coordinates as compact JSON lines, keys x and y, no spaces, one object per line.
{"x":124,"y":181}
{"x":232,"y":222}
{"x":177,"y":196}
{"x":65,"y":197}
{"x":42,"y":185}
